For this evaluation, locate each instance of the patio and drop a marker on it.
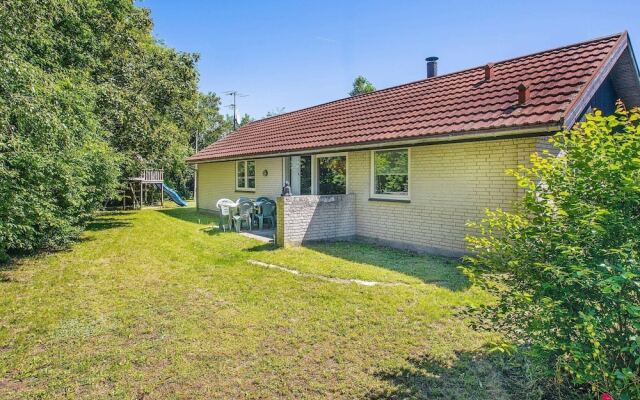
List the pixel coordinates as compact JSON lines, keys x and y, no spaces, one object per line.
{"x":300,"y":219}
{"x":264,"y":235}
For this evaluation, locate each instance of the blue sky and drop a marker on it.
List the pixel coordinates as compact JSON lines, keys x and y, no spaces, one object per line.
{"x":296,"y":54}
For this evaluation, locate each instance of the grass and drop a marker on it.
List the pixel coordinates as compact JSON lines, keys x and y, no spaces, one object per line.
{"x":157,"y":304}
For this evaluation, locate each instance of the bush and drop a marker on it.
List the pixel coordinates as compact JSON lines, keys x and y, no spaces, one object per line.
{"x":55,"y":168}
{"x":564,"y":264}
{"x":86,"y":95}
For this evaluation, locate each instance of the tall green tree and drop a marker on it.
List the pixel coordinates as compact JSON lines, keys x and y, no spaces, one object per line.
{"x":147,"y":95}
{"x":87,"y":96}
{"x":207,"y":125}
{"x":361,"y":86}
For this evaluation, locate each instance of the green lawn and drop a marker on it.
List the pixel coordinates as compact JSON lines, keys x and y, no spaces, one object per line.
{"x":157,"y":304}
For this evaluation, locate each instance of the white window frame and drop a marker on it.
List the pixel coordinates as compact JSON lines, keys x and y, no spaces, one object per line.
{"x":314,"y":169}
{"x":372,"y":184}
{"x":315,"y":188}
{"x":313,"y":173}
{"x":246,"y":187}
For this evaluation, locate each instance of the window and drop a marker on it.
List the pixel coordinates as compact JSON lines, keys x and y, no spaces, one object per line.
{"x":332,"y":174}
{"x":390,"y":174}
{"x":246,"y":175}
{"x":316,"y":174}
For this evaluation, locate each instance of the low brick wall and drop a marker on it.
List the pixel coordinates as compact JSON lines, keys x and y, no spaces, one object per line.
{"x":315,"y":218}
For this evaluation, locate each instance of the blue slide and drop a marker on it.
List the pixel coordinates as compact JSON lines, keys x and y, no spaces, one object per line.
{"x":174,"y":196}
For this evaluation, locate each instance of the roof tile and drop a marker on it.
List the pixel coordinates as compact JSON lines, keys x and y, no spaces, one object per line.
{"x":446,"y":104}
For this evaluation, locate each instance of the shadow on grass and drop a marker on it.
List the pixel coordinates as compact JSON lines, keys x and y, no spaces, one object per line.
{"x":437,"y":270}
{"x":263,"y":247}
{"x":104,"y":223}
{"x":190,"y":214}
{"x":109,"y":220}
{"x":213,"y":230}
{"x":475,"y":375}
{"x":471,"y":376}
{"x":11,"y":263}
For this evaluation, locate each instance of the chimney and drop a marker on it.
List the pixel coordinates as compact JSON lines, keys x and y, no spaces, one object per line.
{"x":523,"y":94}
{"x":489,"y":73}
{"x":432,"y":66}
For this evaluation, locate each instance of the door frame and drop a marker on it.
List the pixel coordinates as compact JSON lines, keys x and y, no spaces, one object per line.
{"x":314,"y":169}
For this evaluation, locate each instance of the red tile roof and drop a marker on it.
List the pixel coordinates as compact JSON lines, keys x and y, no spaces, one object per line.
{"x":456,"y":103}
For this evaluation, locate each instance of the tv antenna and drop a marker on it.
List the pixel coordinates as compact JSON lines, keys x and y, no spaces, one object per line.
{"x":234,"y":106}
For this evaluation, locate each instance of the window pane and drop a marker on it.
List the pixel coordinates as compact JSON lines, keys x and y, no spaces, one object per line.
{"x":305,"y":175}
{"x":392,"y":184}
{"x":240,"y":168}
{"x":251,"y":169}
{"x":251,"y":183}
{"x":287,"y":169}
{"x":392,"y":162}
{"x":391,"y":169}
{"x":332,"y":175}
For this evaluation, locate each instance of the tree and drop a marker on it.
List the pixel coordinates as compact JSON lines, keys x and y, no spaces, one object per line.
{"x":56,"y":166}
{"x":87,"y":96}
{"x":245,"y":119}
{"x":147,"y":93}
{"x":361,"y":86}
{"x":275,"y":111}
{"x":565,"y":263}
{"x":208,"y":125}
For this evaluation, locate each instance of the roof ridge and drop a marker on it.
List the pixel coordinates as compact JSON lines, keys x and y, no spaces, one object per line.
{"x":566,"y":46}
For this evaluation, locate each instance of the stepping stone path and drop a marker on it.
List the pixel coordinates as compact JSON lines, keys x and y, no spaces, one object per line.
{"x":324,"y":277}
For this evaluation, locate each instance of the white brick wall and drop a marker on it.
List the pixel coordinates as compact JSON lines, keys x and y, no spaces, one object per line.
{"x":313,"y":218}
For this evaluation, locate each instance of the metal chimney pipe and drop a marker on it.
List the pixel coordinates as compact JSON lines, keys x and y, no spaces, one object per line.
{"x":432,"y":66}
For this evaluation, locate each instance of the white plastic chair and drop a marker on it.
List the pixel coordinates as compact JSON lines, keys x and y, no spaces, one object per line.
{"x":244,"y":215}
{"x":224,"y":205}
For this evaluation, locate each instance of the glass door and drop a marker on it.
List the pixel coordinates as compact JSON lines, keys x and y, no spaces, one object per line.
{"x":298,"y":173}
{"x":305,"y":174}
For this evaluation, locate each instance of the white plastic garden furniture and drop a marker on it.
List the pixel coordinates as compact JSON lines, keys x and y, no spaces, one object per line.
{"x":224,"y":206}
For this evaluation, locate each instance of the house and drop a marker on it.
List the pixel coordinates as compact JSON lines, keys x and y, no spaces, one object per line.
{"x":408,"y":166}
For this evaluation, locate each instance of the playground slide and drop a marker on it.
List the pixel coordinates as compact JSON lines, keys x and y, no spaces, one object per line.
{"x":174,"y":196}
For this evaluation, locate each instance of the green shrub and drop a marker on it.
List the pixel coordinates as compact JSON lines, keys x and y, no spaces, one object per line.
{"x":55,"y":167}
{"x":564,"y":264}
{"x":86,"y":95}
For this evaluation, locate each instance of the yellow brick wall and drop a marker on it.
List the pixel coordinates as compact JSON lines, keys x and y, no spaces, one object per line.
{"x":271,"y":185}
{"x":449,"y":185}
{"x":217,"y":180}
